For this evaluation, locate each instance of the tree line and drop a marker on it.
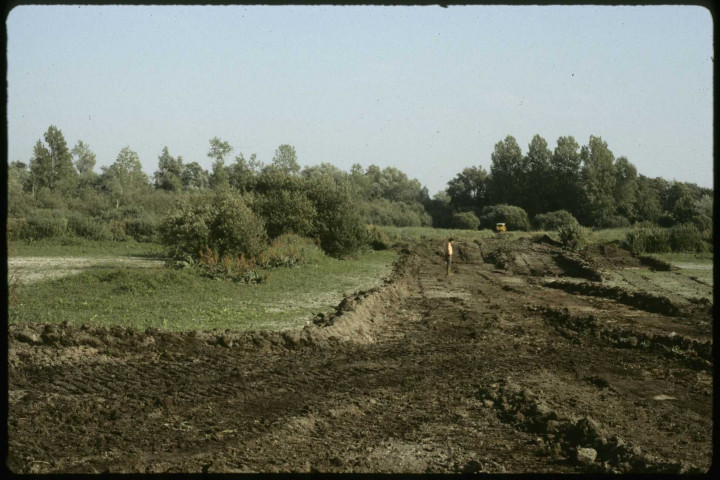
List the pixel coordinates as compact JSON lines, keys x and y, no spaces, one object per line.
{"x":58,"y":191}
{"x":586,"y":181}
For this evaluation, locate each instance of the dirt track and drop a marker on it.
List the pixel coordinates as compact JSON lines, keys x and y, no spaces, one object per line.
{"x":523,"y":361}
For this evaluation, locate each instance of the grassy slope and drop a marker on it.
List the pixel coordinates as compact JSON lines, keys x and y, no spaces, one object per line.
{"x":178,"y":300}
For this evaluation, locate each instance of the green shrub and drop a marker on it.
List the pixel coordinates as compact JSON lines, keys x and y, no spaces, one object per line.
{"x":666,"y":220}
{"x":288,"y":250}
{"x":15,"y":227}
{"x":377,"y":238}
{"x":702,"y":222}
{"x":687,"y":238}
{"x":648,"y":240}
{"x":573,"y":235}
{"x":117,"y":230}
{"x":286,"y":211}
{"x":219,"y":220}
{"x":47,"y":199}
{"x":338,"y":224}
{"x":614,"y":221}
{"x":553,"y":220}
{"x":143,"y":228}
{"x":465,"y":221}
{"x":88,"y":227}
{"x":39,"y":227}
{"x":514,"y":218}
{"x":234,"y":228}
{"x":185,"y":228}
{"x":382,"y":211}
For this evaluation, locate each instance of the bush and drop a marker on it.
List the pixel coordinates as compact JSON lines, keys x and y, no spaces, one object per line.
{"x":15,"y":227}
{"x":288,"y":250}
{"x":666,"y":220}
{"x":573,"y":235}
{"x":553,"y":220}
{"x":465,"y":221}
{"x":229,"y":267}
{"x":687,"y":238}
{"x":143,"y":228}
{"x":87,"y":227}
{"x":218,"y":220}
{"x":40,"y":226}
{"x":338,"y":224}
{"x":117,"y":230}
{"x":702,"y":222}
{"x":386,"y":212}
{"x":286,"y":211}
{"x":648,"y":240}
{"x":377,"y":238}
{"x":514,"y":218}
{"x":614,"y":221}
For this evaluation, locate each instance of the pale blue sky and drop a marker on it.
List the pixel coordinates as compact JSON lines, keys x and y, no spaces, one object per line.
{"x":428,"y":90}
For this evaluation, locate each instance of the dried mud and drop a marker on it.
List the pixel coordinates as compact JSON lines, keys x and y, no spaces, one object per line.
{"x":493,"y":369}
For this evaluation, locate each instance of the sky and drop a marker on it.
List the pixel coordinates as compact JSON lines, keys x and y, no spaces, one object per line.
{"x":428,"y":90}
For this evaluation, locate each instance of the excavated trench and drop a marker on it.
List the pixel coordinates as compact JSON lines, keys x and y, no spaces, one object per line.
{"x":494,"y":369}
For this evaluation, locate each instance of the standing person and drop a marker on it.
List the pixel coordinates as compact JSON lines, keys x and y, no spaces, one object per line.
{"x":448,"y":255}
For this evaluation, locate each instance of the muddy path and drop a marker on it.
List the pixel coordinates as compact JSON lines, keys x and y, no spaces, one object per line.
{"x":494,"y":369}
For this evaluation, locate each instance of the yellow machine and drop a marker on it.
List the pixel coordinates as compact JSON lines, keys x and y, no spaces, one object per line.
{"x":500,"y":227}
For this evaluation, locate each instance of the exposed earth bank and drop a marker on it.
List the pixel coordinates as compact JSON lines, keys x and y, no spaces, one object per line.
{"x":525,"y":360}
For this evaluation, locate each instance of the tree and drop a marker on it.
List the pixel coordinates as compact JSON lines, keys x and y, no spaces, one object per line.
{"x":242,"y":174}
{"x":468,"y":190}
{"x":326,"y":170}
{"x":626,"y":188}
{"x":124,"y":179}
{"x":506,"y":171}
{"x":85,"y":162}
{"x":564,"y":176}
{"x":219,"y":149}
{"x":52,"y":166}
{"x":647,"y":200}
{"x":285,"y":160}
{"x":598,"y":181}
{"x":536,"y":184}
{"x":169,"y":173}
{"x":338,"y":224}
{"x":680,"y":201}
{"x":440,"y":209}
{"x":194,"y":177}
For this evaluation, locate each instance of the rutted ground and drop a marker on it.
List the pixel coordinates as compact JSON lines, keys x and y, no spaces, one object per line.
{"x":526,"y":360}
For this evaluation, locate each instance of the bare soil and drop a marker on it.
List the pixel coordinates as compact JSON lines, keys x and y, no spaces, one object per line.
{"x":522,"y":361}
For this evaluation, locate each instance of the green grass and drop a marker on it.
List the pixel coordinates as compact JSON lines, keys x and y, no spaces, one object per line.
{"x":179,"y":300}
{"x":607,"y":235}
{"x":80,"y":247}
{"x":685,"y":257}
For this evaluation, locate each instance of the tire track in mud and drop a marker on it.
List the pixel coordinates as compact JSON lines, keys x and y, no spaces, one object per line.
{"x":425,"y":374}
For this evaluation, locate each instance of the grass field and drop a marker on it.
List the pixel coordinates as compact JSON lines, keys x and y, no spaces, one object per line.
{"x":80,"y":247}
{"x":179,"y":300}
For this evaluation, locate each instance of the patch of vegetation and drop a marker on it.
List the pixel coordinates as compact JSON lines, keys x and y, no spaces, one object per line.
{"x":465,"y":221}
{"x":553,"y":220}
{"x":80,"y":247}
{"x":515,"y":218}
{"x":181,"y":300}
{"x":573,"y":235}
